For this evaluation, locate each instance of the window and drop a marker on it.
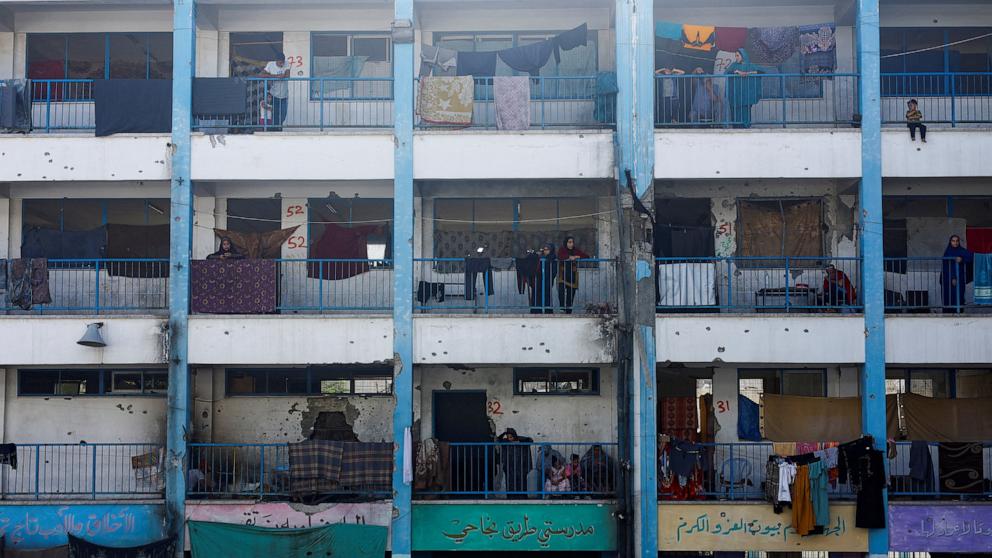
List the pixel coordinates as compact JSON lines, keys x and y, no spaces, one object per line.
{"x":556,"y":381}
{"x":930,"y":55}
{"x":250,"y":52}
{"x":928,"y":383}
{"x":309,"y":381}
{"x":350,"y":228}
{"x":792,"y":381}
{"x":509,"y":227}
{"x":781,"y":228}
{"x":74,"y":228}
{"x":343,"y":55}
{"x":55,"y":382}
{"x":99,"y":56}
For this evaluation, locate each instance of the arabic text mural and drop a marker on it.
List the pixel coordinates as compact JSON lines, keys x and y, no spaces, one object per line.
{"x":753,"y":526}
{"x":936,"y":528}
{"x":31,"y":527}
{"x":500,"y":526}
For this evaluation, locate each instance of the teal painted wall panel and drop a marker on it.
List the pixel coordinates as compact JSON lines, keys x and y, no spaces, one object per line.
{"x":514,"y":527}
{"x":29,"y":527}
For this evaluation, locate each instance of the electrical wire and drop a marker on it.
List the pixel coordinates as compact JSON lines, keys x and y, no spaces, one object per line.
{"x":938,"y":47}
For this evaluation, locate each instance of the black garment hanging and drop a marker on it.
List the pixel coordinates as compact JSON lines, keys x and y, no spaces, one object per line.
{"x":473,"y":267}
{"x":132,"y":106}
{"x":527,"y":268}
{"x":530,"y":58}
{"x":8,"y":455}
{"x":427,"y":291}
{"x":478,"y":64}
{"x":573,"y":38}
{"x":220,"y":96}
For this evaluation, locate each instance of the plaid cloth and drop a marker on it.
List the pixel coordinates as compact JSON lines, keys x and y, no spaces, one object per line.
{"x":319,"y":466}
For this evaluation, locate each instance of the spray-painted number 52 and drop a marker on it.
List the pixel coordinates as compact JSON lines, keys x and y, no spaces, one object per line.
{"x":297,"y":242}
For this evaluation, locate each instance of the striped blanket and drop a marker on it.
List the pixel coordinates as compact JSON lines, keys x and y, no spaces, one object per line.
{"x":320,"y":467}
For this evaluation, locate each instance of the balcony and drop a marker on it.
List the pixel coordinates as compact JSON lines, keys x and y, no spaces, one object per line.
{"x":765,"y":100}
{"x":101,"y":286}
{"x":945,"y":98}
{"x":759,"y":284}
{"x":523,"y":471}
{"x":90,"y":471}
{"x":916,"y":286}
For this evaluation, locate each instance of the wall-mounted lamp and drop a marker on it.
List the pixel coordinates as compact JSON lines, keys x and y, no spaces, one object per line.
{"x":92,"y":337}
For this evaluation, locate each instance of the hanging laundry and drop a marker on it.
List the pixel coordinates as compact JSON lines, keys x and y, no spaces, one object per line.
{"x":528,"y":58}
{"x":677,"y":416}
{"x":336,"y":67}
{"x":979,"y":239}
{"x":731,"y":39}
{"x":476,"y":64}
{"x":511,"y":95}
{"x":772,"y":45}
{"x":921,"y":470}
{"x":699,"y":37}
{"x":818,"y":46}
{"x":668,"y":30}
{"x":803,"y":518}
{"x":233,"y":286}
{"x":724,"y":59}
{"x":674,"y":54}
{"x":263,"y":245}
{"x":786,"y":476}
{"x":427,"y":291}
{"x":132,"y":106}
{"x":27,"y":282}
{"x":818,"y":478}
{"x":41,"y":242}
{"x":15,"y":105}
{"x":748,"y":421}
{"x":341,"y":242}
{"x":573,"y":38}
{"x":983,"y":279}
{"x":473,"y":268}
{"x":219,"y":96}
{"x":446,"y":100}
{"x":3,"y":274}
{"x":8,"y":455}
{"x":437,"y":61}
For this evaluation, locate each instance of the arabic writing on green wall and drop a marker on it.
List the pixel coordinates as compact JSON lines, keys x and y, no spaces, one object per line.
{"x":589,"y":527}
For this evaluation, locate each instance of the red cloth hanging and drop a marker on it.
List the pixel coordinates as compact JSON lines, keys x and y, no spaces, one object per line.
{"x":979,"y":239}
{"x":341,"y":243}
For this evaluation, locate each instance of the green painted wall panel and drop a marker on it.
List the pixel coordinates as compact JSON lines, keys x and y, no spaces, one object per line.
{"x":514,"y":527}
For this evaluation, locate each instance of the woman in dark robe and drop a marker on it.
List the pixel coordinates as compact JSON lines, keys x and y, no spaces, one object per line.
{"x":541,"y":297}
{"x":515,"y":459}
{"x":568,"y":273}
{"x":226,"y":251}
{"x":598,"y":470}
{"x":743,"y":89}
{"x":955,"y":274}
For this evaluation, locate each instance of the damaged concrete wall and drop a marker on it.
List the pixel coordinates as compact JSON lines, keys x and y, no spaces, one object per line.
{"x":581,"y":418}
{"x":95,"y":419}
{"x":282,"y":419}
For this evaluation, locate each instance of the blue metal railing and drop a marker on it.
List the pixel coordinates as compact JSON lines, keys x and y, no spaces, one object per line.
{"x":759,"y":284}
{"x":103,"y":285}
{"x":918,"y":285}
{"x":62,"y":104}
{"x":962,"y":482}
{"x":944,"y":97}
{"x":555,"y":101}
{"x":442,"y":285}
{"x":51,"y":471}
{"x":335,"y":285}
{"x":308,"y":103}
{"x":533,"y":470}
{"x":709,"y":100}
{"x":233,"y":470}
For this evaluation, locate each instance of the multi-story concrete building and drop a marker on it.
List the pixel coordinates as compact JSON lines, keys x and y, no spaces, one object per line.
{"x":387,"y":210}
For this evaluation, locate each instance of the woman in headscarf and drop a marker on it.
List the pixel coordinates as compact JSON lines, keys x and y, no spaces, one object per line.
{"x":598,"y":469}
{"x":568,"y":273}
{"x":541,"y":296}
{"x":955,"y":273}
{"x":706,"y":99}
{"x":743,"y":90}
{"x":226,"y":251}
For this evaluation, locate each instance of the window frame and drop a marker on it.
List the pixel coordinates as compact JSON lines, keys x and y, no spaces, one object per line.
{"x":550,"y":371}
{"x":780,"y":378}
{"x":106,"y":51}
{"x":351,"y":36}
{"x":387,"y":259}
{"x":105,"y":381}
{"x":350,"y":374}
{"x":810,"y":260}
{"x":945,"y":86}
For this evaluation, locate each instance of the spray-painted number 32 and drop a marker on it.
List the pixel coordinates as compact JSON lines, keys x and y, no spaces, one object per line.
{"x":494,"y":407}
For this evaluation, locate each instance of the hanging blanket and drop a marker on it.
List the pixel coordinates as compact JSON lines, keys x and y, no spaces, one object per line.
{"x":210,"y":540}
{"x":772,"y":45}
{"x":321,"y":466}
{"x":233,"y":286}
{"x":446,"y":100}
{"x":961,"y":470}
{"x":141,"y":242}
{"x":678,"y":417}
{"x":818,"y":46}
{"x":511,"y":96}
{"x":983,"y":279}
{"x":699,"y":37}
{"x":668,"y":30}
{"x":787,"y":418}
{"x":132,"y":106}
{"x":258,"y":245}
{"x":15,"y":105}
{"x":27,"y":282}
{"x":219,"y":96}
{"x":930,"y":419}
{"x":79,"y":548}
{"x":731,"y":39}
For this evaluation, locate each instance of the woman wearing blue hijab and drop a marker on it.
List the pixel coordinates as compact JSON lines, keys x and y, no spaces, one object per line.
{"x":743,"y":90}
{"x":955,"y":273}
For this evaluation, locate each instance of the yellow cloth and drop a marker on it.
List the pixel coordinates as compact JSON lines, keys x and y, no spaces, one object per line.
{"x":446,"y":100}
{"x":785,"y":449}
{"x":699,"y":37}
{"x":803,"y":517}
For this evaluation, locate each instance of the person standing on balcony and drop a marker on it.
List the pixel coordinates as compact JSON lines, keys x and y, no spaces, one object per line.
{"x":914,"y":121}
{"x":668,"y":109}
{"x":707,"y":102}
{"x":276,"y":73}
{"x":568,"y":273}
{"x":515,"y":460}
{"x":955,"y":273}
{"x":541,"y":301}
{"x":743,"y":90}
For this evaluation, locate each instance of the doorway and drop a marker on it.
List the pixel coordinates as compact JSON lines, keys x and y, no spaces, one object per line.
{"x":460,"y":419}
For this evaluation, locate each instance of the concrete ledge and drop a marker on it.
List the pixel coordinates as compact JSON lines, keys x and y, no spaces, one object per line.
{"x":51,"y":340}
{"x":760,"y":338}
{"x":49,"y":158}
{"x":950,"y":340}
{"x":948,"y":153}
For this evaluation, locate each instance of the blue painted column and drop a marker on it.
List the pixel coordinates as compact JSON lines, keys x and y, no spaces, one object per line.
{"x":180,"y":242}
{"x":635,"y":154}
{"x":873,"y":372}
{"x":403,"y":220}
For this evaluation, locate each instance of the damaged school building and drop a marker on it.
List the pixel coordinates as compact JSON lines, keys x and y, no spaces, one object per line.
{"x":574,"y":277}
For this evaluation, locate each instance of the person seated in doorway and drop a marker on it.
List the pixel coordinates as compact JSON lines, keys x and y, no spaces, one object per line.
{"x":837,"y":288}
{"x":226,"y":251}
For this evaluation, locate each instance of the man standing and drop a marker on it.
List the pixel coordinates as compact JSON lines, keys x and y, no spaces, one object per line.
{"x":276,"y":73}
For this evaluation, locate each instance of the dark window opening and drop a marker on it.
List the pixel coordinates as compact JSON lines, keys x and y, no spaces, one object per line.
{"x":556,"y":381}
{"x":309,"y":381}
{"x":69,"y":382}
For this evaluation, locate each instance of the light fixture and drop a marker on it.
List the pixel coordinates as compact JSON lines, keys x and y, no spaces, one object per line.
{"x":92,"y":337}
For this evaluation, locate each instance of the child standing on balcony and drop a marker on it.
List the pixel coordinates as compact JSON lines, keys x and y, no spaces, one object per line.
{"x":914,"y":120}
